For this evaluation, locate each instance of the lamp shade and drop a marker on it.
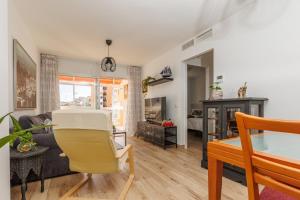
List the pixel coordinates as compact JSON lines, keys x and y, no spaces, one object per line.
{"x":108,"y":64}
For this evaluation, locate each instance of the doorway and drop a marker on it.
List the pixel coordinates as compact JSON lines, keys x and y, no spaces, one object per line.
{"x":199,"y":76}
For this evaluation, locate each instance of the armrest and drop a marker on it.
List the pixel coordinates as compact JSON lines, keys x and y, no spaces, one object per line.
{"x":121,"y":153}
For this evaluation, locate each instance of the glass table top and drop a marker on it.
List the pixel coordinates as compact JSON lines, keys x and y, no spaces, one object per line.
{"x":285,"y":145}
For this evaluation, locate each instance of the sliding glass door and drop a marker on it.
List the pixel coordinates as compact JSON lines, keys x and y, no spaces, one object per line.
{"x":113,"y":96}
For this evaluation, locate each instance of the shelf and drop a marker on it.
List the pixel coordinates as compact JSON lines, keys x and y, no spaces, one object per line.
{"x":168,"y":134}
{"x":168,"y":142}
{"x":160,"y":81}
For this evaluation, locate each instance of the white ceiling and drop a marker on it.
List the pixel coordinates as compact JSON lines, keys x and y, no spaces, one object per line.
{"x":140,"y":29}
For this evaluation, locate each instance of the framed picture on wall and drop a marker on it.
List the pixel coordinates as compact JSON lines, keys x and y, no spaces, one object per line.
{"x":24,"y":78}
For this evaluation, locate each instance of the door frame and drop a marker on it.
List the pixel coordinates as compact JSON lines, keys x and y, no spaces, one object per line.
{"x":185,"y":89}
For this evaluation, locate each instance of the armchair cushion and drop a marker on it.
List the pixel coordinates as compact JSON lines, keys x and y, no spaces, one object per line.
{"x":271,"y":194}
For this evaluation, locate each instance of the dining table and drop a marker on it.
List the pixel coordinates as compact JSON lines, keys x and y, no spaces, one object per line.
{"x":278,"y":146}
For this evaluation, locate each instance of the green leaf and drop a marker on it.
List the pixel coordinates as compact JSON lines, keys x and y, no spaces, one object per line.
{"x":5,"y":140}
{"x":34,"y":127}
{"x":26,"y":137}
{"x":13,"y":138}
{"x":2,"y":118}
{"x":16,"y":124}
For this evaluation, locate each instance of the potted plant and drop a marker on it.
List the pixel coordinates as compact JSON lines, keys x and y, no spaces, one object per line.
{"x":145,"y":84}
{"x":242,"y":92}
{"x":24,"y":135}
{"x":215,"y":91}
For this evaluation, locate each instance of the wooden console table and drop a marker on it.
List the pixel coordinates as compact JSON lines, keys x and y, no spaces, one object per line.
{"x":157,"y":134}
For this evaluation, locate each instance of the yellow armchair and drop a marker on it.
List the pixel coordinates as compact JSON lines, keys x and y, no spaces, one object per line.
{"x":85,"y":137}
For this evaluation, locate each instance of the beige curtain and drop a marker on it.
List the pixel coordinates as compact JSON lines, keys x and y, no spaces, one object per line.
{"x":134,"y":104}
{"x":49,"y":85}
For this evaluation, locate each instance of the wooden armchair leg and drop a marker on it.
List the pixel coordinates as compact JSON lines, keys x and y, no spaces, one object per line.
{"x":76,"y":187}
{"x":131,"y":176}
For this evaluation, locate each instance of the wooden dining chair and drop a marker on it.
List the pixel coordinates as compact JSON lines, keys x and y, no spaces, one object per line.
{"x":280,"y":176}
{"x":85,"y":137}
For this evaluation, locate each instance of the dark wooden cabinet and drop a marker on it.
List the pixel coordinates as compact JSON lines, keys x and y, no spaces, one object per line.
{"x":157,"y":134}
{"x":219,"y":123}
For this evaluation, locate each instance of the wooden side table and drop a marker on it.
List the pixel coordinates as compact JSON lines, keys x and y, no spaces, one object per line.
{"x":22,"y":163}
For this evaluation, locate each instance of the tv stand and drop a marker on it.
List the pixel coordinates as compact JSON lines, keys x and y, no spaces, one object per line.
{"x":157,"y":134}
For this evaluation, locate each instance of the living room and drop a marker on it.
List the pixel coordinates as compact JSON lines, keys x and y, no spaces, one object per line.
{"x":103,"y":60}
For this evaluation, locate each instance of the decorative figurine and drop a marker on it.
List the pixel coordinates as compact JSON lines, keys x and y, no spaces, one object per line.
{"x":166,"y":72}
{"x":242,"y":92}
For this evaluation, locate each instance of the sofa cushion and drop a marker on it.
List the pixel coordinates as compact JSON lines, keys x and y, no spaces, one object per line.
{"x":25,"y":122}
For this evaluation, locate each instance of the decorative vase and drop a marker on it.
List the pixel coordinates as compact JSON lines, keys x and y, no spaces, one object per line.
{"x":25,"y":147}
{"x":216,"y":94}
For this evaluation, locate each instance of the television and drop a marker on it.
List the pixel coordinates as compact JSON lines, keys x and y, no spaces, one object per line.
{"x":155,"y":109}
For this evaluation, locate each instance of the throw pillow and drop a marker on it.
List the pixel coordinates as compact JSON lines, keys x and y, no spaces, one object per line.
{"x":49,"y":115}
{"x":36,"y":120}
{"x":48,"y":129}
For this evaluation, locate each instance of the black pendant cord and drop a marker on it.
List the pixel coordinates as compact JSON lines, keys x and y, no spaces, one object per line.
{"x":108,"y":51}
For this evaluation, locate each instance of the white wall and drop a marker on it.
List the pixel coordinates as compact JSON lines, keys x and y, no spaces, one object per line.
{"x":171,"y":90}
{"x":18,"y":30}
{"x":75,"y":67}
{"x":259,"y":44}
{"x":4,"y":154}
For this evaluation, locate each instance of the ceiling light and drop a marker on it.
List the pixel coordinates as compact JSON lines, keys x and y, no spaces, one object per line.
{"x":108,"y":63}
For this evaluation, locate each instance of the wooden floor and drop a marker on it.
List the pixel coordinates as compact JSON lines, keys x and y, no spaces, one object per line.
{"x":160,"y":175}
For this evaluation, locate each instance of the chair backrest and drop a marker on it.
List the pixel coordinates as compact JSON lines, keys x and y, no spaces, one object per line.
{"x":85,"y":137}
{"x":266,"y":169}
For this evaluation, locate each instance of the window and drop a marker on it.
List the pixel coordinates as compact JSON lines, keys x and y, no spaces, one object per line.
{"x":92,"y":93}
{"x":77,"y":92}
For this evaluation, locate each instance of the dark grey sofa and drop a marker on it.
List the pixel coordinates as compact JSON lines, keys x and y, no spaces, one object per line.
{"x":54,"y":165}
